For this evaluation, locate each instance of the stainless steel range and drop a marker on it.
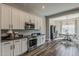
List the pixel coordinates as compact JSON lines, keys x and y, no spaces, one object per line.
{"x":32,"y":43}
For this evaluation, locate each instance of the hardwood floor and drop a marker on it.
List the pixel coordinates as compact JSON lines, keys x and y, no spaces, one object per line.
{"x":55,"y":48}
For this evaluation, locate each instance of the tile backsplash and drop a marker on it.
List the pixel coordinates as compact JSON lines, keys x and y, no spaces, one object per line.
{"x":28,"y":32}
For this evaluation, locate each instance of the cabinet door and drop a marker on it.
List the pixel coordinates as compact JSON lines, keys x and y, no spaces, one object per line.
{"x":39,"y":41}
{"x":21,"y":20}
{"x":24,"y":45}
{"x":32,"y":18}
{"x":43,"y":26}
{"x":39,"y":23}
{"x":7,"y":48}
{"x":17,"y":47}
{"x":43,"y":40}
{"x":36,"y":23}
{"x":27,"y":17}
{"x":5,"y":17}
{"x":0,"y":49}
{"x":15,"y":18}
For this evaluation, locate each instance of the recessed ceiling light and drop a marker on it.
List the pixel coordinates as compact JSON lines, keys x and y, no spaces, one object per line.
{"x":43,"y":6}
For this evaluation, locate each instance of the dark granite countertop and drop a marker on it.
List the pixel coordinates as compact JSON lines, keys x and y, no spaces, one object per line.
{"x":8,"y":39}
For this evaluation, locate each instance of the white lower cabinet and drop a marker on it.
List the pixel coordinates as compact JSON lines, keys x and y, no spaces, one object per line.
{"x":14,"y":47}
{"x":40,"y":40}
{"x":17,"y":47}
{"x":7,"y":48}
{"x":0,"y":49}
{"x":24,"y":45}
{"x":43,"y":40}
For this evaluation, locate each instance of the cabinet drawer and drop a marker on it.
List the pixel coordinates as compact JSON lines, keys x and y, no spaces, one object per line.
{"x":7,"y":48}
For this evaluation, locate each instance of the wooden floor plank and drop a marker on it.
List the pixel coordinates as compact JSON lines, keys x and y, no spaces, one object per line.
{"x":54,"y":48}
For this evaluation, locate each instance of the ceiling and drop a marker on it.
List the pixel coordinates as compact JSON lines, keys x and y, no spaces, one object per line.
{"x":50,"y":8}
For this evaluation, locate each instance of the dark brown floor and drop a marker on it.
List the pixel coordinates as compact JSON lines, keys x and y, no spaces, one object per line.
{"x":55,"y":48}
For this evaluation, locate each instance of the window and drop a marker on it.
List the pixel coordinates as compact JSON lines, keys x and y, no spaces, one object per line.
{"x":68,"y":29}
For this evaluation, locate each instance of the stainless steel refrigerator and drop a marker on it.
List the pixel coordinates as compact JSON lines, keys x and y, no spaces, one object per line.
{"x":52,"y":32}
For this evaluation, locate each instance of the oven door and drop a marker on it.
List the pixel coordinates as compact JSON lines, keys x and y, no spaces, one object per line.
{"x":32,"y":42}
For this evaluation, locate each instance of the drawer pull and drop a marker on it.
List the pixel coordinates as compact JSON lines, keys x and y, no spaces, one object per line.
{"x":14,"y":46}
{"x":11,"y":47}
{"x":16,"y":41}
{"x":7,"y":43}
{"x":24,"y":39}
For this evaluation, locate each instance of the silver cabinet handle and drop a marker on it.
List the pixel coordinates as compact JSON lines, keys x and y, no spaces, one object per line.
{"x":12,"y":26}
{"x":26,"y":43}
{"x":11,"y":47}
{"x":16,"y":41}
{"x":14,"y":46}
{"x":24,"y":39}
{"x":9,"y":26}
{"x":6,"y":43}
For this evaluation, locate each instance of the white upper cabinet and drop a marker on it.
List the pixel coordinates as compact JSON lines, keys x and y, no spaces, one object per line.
{"x":27,"y":17}
{"x":32,"y":19}
{"x":15,"y":18}
{"x":21,"y":20}
{"x":39,"y":23}
{"x":43,"y":26}
{"x":5,"y":16}
{"x":36,"y":23}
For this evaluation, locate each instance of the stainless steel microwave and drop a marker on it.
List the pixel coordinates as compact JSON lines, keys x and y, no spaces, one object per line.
{"x":29,"y":25}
